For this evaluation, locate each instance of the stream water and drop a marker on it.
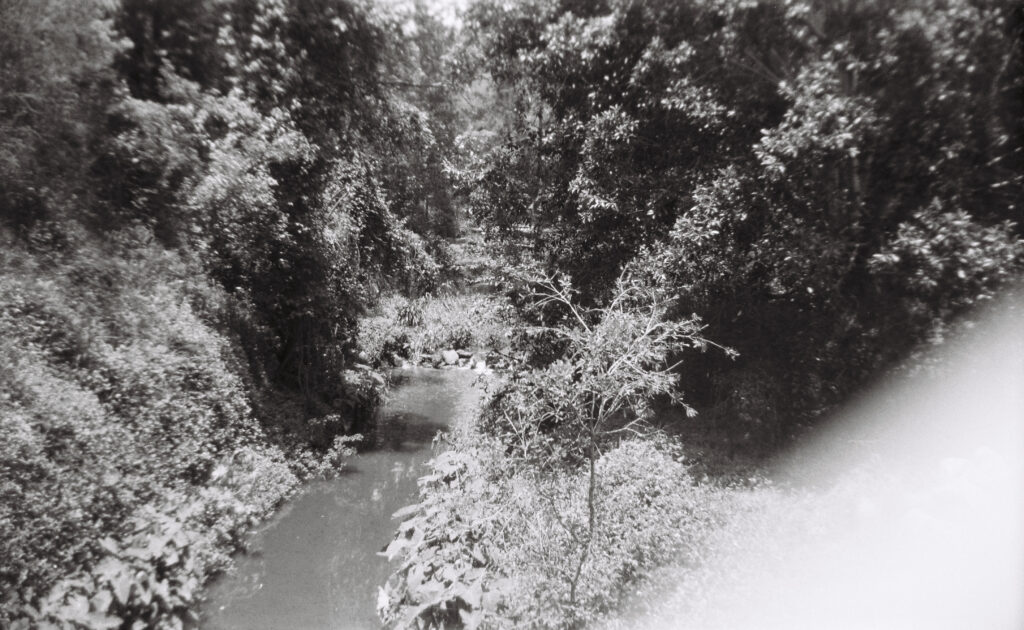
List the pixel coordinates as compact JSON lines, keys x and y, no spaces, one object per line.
{"x":315,"y":564}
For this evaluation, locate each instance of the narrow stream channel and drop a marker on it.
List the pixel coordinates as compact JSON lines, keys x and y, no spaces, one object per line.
{"x":315,"y":564}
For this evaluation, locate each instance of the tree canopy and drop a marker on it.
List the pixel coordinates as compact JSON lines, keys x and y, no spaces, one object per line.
{"x":828,"y":184}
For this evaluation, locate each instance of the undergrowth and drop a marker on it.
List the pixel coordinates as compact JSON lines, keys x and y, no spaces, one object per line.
{"x":131,"y":460}
{"x":406,"y":328}
{"x":488,"y":544}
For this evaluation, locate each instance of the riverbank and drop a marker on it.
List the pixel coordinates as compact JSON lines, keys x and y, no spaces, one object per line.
{"x":315,"y":565}
{"x":512,"y":528}
{"x":869,"y":523}
{"x":136,"y":450}
{"x":451,"y":330}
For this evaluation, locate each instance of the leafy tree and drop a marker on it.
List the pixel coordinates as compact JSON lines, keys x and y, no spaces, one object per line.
{"x":762,"y":159}
{"x":617,"y":362}
{"x":55,"y":83}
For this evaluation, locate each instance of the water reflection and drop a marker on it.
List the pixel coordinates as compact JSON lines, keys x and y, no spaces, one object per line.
{"x":315,"y":565}
{"x":405,"y":431}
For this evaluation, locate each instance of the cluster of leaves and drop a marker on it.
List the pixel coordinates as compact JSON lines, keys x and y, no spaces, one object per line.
{"x":827,"y":184}
{"x":443,"y":578}
{"x":151,"y":574}
{"x":152,"y":583}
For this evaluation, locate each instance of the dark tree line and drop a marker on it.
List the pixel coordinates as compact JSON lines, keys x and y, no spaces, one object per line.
{"x":828,"y":184}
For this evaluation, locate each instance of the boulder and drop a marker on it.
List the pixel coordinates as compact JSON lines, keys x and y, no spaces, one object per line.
{"x":450,"y":357}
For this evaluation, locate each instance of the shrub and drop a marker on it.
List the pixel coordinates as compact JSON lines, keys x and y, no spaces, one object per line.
{"x":558,"y":510}
{"x":120,"y":397}
{"x":151,"y":569}
{"x":486,"y":547}
{"x":414,"y":327}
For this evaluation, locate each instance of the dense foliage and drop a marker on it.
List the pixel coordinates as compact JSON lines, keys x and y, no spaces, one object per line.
{"x":493,"y":544}
{"x":560,"y":495}
{"x":197,"y":201}
{"x":203,"y":203}
{"x":828,"y":184}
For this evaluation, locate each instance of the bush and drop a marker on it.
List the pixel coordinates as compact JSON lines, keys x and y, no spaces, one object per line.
{"x":488,"y":547}
{"x":151,"y":570}
{"x":118,"y":397}
{"x":411,"y":328}
{"x":548,"y":521}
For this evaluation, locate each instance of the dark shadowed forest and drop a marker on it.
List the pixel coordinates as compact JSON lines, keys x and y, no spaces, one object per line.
{"x":674,"y":236}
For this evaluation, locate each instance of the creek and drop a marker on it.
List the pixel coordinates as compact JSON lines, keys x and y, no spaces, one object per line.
{"x":315,"y":565}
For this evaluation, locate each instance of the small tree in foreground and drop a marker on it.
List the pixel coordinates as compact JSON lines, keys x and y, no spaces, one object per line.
{"x":561,"y":495}
{"x":619,"y":359}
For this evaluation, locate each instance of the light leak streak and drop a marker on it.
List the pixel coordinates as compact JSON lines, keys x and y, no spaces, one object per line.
{"x":915,"y":513}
